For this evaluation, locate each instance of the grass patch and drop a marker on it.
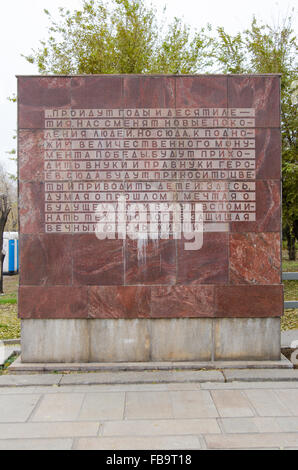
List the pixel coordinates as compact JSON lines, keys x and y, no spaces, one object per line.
{"x":8,"y":301}
{"x":290,"y":320}
{"x":287,"y":265}
{"x":10,"y":325}
{"x":291,"y":290}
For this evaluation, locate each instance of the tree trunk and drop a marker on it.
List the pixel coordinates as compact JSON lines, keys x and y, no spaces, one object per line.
{"x":4,"y":212}
{"x":1,"y":272}
{"x":295,"y":229}
{"x":291,"y":239}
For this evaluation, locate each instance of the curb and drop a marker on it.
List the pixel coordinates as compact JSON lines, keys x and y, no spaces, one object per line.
{"x":150,"y":377}
{"x":287,"y":337}
{"x":20,"y":368}
{"x":11,"y":341}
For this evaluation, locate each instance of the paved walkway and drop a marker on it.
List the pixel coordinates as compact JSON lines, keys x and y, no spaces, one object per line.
{"x":260,"y":415}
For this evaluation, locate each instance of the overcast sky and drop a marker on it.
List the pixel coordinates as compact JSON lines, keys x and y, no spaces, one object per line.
{"x":23,"y":24}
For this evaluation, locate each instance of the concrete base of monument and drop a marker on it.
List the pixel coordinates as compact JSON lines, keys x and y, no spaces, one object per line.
{"x":200,"y":340}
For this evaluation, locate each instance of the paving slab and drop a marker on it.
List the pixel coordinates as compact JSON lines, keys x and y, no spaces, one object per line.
{"x":59,"y":407}
{"x":267,"y":403}
{"x":160,"y":427}
{"x":181,"y":386}
{"x":262,"y":375}
{"x":249,"y":425}
{"x":143,"y":416}
{"x":142,"y":377}
{"x":26,"y":390}
{"x":289,"y":398}
{"x":193,"y":404}
{"x":102,"y":388}
{"x":231,"y":403}
{"x":29,"y":380}
{"x":113,"y":388}
{"x":288,"y":424}
{"x":102,"y":406}
{"x":251,"y":441}
{"x":248,"y":385}
{"x":48,"y":430}
{"x":139,"y":443}
{"x":36,"y":444}
{"x":148,"y":405}
{"x":17,"y":408}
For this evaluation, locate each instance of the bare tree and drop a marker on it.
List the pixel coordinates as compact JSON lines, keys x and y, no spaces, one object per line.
{"x":4,"y":213}
{"x":5,"y":208}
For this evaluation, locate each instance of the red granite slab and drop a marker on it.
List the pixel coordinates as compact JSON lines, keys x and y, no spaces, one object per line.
{"x":182,"y":301}
{"x":53,"y":302}
{"x":255,"y":258}
{"x":234,"y":274}
{"x":148,"y":92}
{"x":119,"y":302}
{"x":202,"y":91}
{"x":268,"y":209}
{"x":150,"y":264}
{"x":31,"y":207}
{"x":97,"y":262}
{"x":46,"y":259}
{"x":259,"y":92}
{"x":268,"y":153}
{"x":31,"y":155}
{"x":249,"y":301}
{"x":35,"y":94}
{"x":96,"y":92}
{"x":209,"y":265}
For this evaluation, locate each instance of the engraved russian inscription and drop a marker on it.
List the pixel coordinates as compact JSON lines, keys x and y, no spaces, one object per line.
{"x":164,"y":156}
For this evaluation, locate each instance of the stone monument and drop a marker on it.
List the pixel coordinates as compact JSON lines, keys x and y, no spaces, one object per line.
{"x":150,"y":218}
